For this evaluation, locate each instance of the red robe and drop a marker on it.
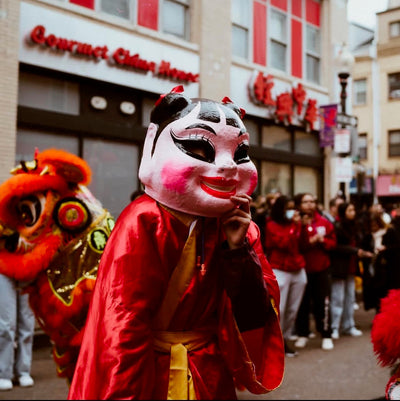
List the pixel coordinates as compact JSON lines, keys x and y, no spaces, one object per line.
{"x":118,"y":359}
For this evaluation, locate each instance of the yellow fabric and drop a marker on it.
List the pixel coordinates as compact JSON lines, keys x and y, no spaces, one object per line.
{"x":178,"y":283}
{"x":180,"y":386}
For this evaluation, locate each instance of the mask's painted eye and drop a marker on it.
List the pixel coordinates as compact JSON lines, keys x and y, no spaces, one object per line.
{"x":242,"y":154}
{"x":29,"y":210}
{"x":199,"y":148}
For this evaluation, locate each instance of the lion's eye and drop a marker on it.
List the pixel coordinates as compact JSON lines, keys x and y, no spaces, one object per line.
{"x":241,"y":154}
{"x":29,"y":210}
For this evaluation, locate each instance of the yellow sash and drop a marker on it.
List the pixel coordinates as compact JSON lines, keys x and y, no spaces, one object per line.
{"x":180,"y":385}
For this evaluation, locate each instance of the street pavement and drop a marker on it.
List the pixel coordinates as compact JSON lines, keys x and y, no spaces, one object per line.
{"x":348,"y":372}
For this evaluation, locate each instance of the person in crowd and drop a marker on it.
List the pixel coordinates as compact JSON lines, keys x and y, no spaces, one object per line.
{"x":317,"y":238}
{"x":185,"y":304}
{"x":344,"y":266}
{"x":282,"y":234}
{"x":378,"y":208}
{"x":17,"y":326}
{"x":386,"y":265}
{"x":262,"y":211}
{"x":332,"y":211}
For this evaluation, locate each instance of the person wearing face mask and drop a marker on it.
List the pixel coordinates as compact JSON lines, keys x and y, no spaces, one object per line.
{"x":317,"y":238}
{"x":282,"y":249}
{"x":185,"y":304}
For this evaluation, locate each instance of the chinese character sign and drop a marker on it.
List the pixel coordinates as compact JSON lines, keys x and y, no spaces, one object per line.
{"x":328,"y":116}
{"x":289,"y":107}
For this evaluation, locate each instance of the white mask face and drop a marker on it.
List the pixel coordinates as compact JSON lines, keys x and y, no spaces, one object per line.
{"x":289,"y":213}
{"x":197,"y":164}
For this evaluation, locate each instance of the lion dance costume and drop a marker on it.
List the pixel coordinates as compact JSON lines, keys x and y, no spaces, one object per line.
{"x":180,"y":310}
{"x":52,"y":234}
{"x":385,"y":336}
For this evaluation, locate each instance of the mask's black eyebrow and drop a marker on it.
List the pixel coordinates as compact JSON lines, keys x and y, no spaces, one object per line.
{"x":202,"y":126}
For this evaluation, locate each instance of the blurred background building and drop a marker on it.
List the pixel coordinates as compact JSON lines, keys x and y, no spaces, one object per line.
{"x":83,"y":75}
{"x":376,"y":97}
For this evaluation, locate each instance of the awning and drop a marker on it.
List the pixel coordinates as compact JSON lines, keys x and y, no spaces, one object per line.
{"x":388,"y":185}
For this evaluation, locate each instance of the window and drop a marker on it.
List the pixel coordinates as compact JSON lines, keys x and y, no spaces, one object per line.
{"x":362,"y":146}
{"x":394,"y":143}
{"x":175,"y":17}
{"x":394,"y":29}
{"x":240,"y":15}
{"x":274,"y":137}
{"x":278,"y":42}
{"x":313,"y":54}
{"x":306,"y":143}
{"x":174,"y":14}
{"x":306,"y":180}
{"x":47,"y":93}
{"x":394,"y":86}
{"x":275,"y":177}
{"x":360,"y":91}
{"x":119,"y":8}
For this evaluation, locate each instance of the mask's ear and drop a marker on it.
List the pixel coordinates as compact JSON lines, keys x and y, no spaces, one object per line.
{"x":72,"y":215}
{"x":145,"y":167}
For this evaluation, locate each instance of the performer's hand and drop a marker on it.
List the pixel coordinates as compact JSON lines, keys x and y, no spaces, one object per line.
{"x":236,"y":222}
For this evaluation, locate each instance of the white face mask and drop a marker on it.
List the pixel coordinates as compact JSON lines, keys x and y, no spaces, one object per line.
{"x":184,"y":181}
{"x":290,"y":214}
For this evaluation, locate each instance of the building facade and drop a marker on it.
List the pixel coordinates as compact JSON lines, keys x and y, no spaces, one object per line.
{"x":376,"y":101}
{"x":83,"y":75}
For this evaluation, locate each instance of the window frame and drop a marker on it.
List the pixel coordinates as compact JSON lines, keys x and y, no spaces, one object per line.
{"x":312,"y":54}
{"x":283,"y":42}
{"x":241,"y":25}
{"x":356,"y":92}
{"x":186,"y":23}
{"x":392,"y":147}
{"x":362,"y":150}
{"x":394,"y":24}
{"x":397,"y":85}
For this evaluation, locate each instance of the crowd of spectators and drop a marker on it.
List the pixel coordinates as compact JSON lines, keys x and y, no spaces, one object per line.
{"x":319,"y":255}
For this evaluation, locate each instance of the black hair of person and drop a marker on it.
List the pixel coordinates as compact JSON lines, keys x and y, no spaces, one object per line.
{"x":278,"y":210}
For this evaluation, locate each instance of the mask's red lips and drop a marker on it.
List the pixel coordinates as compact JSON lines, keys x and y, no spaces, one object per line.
{"x":218,"y":187}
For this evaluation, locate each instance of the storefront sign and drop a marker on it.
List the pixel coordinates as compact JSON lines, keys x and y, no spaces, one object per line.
{"x":388,"y":185}
{"x":342,"y":141}
{"x":327,"y":121}
{"x":343,"y":169}
{"x":120,"y":57}
{"x":287,"y":107}
{"x":361,"y":188}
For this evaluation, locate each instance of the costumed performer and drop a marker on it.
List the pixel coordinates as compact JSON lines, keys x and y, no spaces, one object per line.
{"x":183,"y":285}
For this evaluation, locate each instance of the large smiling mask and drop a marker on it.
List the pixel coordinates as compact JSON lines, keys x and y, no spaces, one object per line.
{"x":195,"y":155}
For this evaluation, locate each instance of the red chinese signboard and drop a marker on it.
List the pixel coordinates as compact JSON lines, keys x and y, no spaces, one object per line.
{"x":287,"y":105}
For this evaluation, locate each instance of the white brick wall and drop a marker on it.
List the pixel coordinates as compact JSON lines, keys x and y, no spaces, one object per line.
{"x":9,"y":22}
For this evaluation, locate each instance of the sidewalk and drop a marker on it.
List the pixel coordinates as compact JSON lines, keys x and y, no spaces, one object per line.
{"x":348,"y":372}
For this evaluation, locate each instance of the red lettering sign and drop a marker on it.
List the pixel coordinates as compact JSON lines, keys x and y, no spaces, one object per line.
{"x":263,"y":89}
{"x":311,"y":113}
{"x":284,"y":107}
{"x":288,"y":105}
{"x":299,"y":96}
{"x":120,"y":56}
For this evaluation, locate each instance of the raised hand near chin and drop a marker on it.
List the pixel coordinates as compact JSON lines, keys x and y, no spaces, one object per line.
{"x":236,"y":222}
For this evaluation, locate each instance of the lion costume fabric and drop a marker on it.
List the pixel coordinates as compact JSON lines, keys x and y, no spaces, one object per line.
{"x":52,"y":234}
{"x":385,"y":337}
